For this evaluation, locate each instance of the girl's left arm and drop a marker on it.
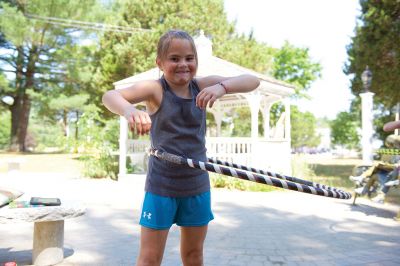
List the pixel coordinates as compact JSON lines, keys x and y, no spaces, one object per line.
{"x":214,"y":87}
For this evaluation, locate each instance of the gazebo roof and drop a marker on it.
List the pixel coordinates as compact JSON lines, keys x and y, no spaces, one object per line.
{"x":211,"y":65}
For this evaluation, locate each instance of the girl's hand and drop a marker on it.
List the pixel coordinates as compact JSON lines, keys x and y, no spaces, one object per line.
{"x":138,"y":120}
{"x":209,"y":95}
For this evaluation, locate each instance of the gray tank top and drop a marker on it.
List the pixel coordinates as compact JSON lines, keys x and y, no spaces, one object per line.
{"x":178,"y":127}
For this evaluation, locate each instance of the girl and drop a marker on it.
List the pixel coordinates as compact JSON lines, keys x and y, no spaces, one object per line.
{"x":175,"y":117}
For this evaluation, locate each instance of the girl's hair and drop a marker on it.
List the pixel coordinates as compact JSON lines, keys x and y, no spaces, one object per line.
{"x":166,"y":38}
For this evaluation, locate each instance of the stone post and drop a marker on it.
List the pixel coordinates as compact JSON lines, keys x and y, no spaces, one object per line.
{"x":367,"y":126}
{"x":48,"y":242}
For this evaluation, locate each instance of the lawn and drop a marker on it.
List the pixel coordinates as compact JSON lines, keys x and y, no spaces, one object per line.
{"x":332,"y":171}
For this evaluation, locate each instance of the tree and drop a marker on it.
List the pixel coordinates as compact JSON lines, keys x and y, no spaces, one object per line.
{"x":303,"y":131}
{"x":293,"y":65}
{"x":64,"y":105}
{"x":345,"y":130}
{"x":376,"y":44}
{"x":39,"y":53}
{"x":247,"y":52}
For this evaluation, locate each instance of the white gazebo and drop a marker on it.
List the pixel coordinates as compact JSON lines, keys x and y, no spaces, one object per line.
{"x":272,"y":151}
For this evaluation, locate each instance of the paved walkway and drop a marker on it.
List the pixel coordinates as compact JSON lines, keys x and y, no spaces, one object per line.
{"x":276,"y":228}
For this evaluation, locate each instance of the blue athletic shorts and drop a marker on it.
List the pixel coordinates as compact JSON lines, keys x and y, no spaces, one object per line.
{"x":160,"y":212}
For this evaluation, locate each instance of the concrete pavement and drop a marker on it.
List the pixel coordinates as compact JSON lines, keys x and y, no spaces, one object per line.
{"x":250,"y":228}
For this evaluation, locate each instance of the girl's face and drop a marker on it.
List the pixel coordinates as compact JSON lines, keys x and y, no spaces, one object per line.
{"x":179,"y":63}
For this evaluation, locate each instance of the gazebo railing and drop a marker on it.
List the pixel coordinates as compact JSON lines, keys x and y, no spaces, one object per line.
{"x":237,"y":150}
{"x":259,"y":153}
{"x":137,"y":146}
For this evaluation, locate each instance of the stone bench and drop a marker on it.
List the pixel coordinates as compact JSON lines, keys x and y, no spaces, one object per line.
{"x":48,"y":233}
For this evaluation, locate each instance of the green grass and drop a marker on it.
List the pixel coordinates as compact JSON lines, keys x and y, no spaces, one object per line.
{"x":233,"y":183}
{"x":333,"y":175}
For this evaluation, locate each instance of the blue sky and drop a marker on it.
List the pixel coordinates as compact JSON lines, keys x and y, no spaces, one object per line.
{"x":325,"y":27}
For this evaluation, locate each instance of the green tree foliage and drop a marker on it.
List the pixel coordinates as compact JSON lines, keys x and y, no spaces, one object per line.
{"x":65,"y":105}
{"x":345,"y":130}
{"x":4,"y":88}
{"x":376,"y":44}
{"x":39,"y":53}
{"x":98,"y":140}
{"x":242,"y":123}
{"x":5,"y":129}
{"x":303,"y":129}
{"x":247,"y":52}
{"x":293,"y":65}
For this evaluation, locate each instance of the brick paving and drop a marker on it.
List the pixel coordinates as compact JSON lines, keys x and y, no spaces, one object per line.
{"x":250,"y":228}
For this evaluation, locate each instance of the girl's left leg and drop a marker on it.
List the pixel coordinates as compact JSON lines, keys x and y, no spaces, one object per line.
{"x":192,"y":242}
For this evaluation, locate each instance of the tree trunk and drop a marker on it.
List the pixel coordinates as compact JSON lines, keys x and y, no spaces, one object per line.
{"x":26,"y":106}
{"x":23,"y":123}
{"x":65,"y":123}
{"x":22,"y":106}
{"x":18,"y":101}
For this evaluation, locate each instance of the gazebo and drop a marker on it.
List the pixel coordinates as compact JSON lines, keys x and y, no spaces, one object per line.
{"x":272,"y":151}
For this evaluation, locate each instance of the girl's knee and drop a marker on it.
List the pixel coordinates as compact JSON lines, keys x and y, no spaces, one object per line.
{"x":149,"y":259}
{"x":193,"y":257}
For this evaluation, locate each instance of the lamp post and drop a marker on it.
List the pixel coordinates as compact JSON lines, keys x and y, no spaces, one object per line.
{"x":367,"y":116}
{"x":366,"y":78}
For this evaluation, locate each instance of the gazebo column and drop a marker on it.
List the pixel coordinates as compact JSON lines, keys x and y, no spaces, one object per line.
{"x":266,"y":116}
{"x":218,"y":114}
{"x":123,"y":137}
{"x":266,"y":111}
{"x":254,"y":103}
{"x":287,"y":119}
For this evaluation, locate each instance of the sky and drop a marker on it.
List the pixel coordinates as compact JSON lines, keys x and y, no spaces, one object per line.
{"x":325,"y":27}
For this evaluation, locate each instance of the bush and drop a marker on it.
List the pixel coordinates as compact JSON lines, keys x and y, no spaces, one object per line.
{"x":98,"y":140}
{"x":229,"y":182}
{"x":101,"y":165}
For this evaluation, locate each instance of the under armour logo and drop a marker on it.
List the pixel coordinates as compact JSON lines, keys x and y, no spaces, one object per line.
{"x":147,"y":215}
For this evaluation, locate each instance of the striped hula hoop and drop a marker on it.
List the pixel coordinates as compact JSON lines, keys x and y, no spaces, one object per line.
{"x":255,"y":175}
{"x":388,"y":151}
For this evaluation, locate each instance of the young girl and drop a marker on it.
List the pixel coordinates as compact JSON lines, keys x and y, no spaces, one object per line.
{"x":175,"y":117}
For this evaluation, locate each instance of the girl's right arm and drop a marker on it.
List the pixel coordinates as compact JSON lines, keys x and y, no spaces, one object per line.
{"x":121,"y":102}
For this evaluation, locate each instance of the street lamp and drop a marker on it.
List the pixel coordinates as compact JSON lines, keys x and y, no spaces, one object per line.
{"x":366,"y":78}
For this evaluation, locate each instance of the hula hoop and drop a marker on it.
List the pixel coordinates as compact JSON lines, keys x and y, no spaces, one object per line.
{"x":388,"y":151}
{"x":255,"y":175}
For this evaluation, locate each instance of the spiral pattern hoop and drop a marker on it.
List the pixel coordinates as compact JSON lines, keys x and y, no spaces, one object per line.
{"x":255,"y":175}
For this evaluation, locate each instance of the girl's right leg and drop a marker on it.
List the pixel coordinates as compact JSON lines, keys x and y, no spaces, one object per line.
{"x":152,"y":245}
